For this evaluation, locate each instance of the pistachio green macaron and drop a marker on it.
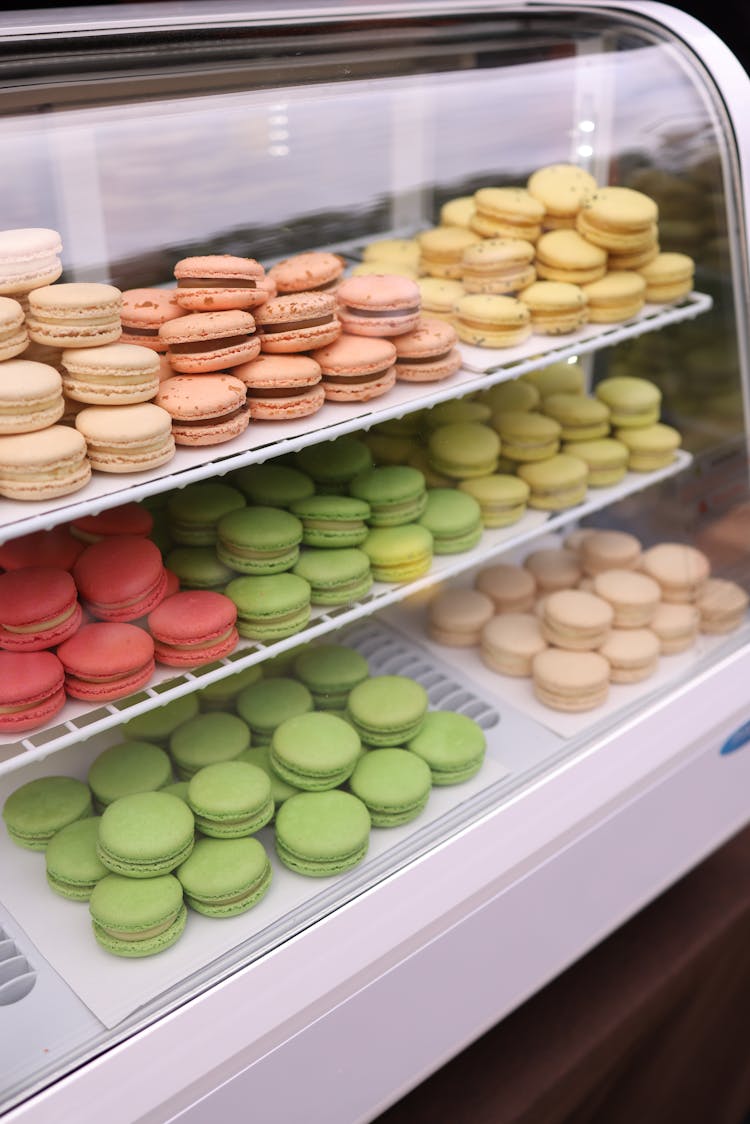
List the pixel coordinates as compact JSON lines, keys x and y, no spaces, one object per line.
{"x":39,"y":808}
{"x":607,"y":459}
{"x":330,"y":672}
{"x":453,"y":745}
{"x":207,"y":739}
{"x":135,"y":918}
{"x":225,"y":877}
{"x":315,"y":751}
{"x":394,"y":784}
{"x":556,"y":483}
{"x":464,"y":449}
{"x":320,"y":834}
{"x":453,"y":518}
{"x":501,"y":497}
{"x":387,"y":710}
{"x":230,"y":799}
{"x":632,"y":401}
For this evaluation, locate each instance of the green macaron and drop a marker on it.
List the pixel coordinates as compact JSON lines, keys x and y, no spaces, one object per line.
{"x":144,"y":835}
{"x":581,"y":418}
{"x":315,"y":751}
{"x":336,"y":577}
{"x":387,"y":710}
{"x":632,"y":401}
{"x":193,"y":512}
{"x":73,"y":866}
{"x":272,"y":484}
{"x":320,"y":834}
{"x":265,"y":705}
{"x":556,"y":483}
{"x":394,"y":493}
{"x":159,"y":724}
{"x":220,"y":694}
{"x":527,"y":436}
{"x":206,"y":740}
{"x":453,"y":518}
{"x":502,"y":498}
{"x":453,"y":745}
{"x":178,"y":788}
{"x":36,"y":810}
{"x":133,"y":917}
{"x":332,"y":521}
{"x":259,"y":540}
{"x":225,"y":877}
{"x":270,"y":607}
{"x":330,"y":672}
{"x":606,"y":459}
{"x":464,"y":449}
{"x":457,"y":411}
{"x":332,"y":464}
{"x":399,"y":554}
{"x":260,"y":755}
{"x":230,"y":799}
{"x":128,"y":767}
{"x":394,"y":784}
{"x":197,"y":567}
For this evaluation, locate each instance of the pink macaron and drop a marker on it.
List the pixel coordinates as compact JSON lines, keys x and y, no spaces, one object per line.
{"x":219,"y":282}
{"x":378,"y":304}
{"x":205,"y":409}
{"x":120,"y":579}
{"x":127,"y":519}
{"x":297,"y":322}
{"x":38,"y":608}
{"x":31,"y":690}
{"x":106,"y":661}
{"x":193,"y":627}
{"x":357,"y":368}
{"x":210,"y":341}
{"x":314,"y":271}
{"x":427,"y":353}
{"x":56,"y":547}
{"x":143,"y":313}
{"x":280,"y":387}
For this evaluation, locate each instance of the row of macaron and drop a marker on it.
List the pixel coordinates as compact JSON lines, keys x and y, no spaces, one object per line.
{"x":596,"y":611}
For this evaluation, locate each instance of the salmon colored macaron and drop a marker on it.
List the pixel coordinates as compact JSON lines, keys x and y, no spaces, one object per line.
{"x":427,"y":353}
{"x":13,"y":335}
{"x":193,"y":627}
{"x":280,"y":387}
{"x":142,"y":314}
{"x":309,"y":272}
{"x":56,"y":547}
{"x":38,"y":609}
{"x":76,"y":314}
{"x":126,"y":519}
{"x":205,"y":409}
{"x":210,"y":341}
{"x":219,"y":282}
{"x":43,"y":465}
{"x":126,"y":438}
{"x":106,"y":661}
{"x":378,"y":305}
{"x":297,"y":322}
{"x":120,"y":579}
{"x":357,"y":368}
{"x":31,"y":690}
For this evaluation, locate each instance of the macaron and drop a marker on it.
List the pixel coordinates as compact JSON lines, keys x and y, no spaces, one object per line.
{"x":427,"y":353}
{"x":120,"y":579}
{"x":114,"y":374}
{"x":221,"y":693}
{"x":29,"y":258}
{"x":680,"y":569}
{"x":441,"y":250}
{"x":722,"y":605}
{"x":356,"y":368}
{"x":72,"y":865}
{"x":556,"y":378}
{"x":650,"y":447}
{"x":193,"y":627}
{"x":31,"y":689}
{"x":618,"y":296}
{"x":457,"y":211}
{"x":143,"y":312}
{"x":632,"y":401}
{"x":333,"y":464}
{"x":42,"y":466}
{"x":218,"y":283}
{"x":312,"y":271}
{"x":570,"y":681}
{"x":618,"y":219}
{"x":453,"y":518}
{"x":30,"y":395}
{"x":259,"y":540}
{"x":36,"y":810}
{"x":338,"y":576}
{"x":605,"y":458}
{"x":265,"y":705}
{"x":502,"y":498}
{"x":197,"y":567}
{"x":393,"y":784}
{"x":580,"y":417}
{"x":576,"y":620}
{"x":332,"y":521}
{"x":498,"y":265}
{"x":378,"y":305}
{"x":320,"y":834}
{"x":281,"y":387}
{"x":159,"y":724}
{"x":553,"y":568}
{"x":489,"y":320}
{"x":230,"y":799}
{"x":126,"y":438}
{"x":457,"y":410}
{"x":203,"y":342}
{"x":399,"y":554}
{"x":387,"y":710}
{"x":134,"y":918}
{"x":566,"y":256}
{"x":315,"y":751}
{"x":464,"y":449}
{"x":675,"y":625}
{"x":507,"y":212}
{"x":452,"y":745}
{"x":398,"y":251}
{"x":272,"y":484}
{"x":330,"y":672}
{"x":125,"y":519}
{"x":510,"y":588}
{"x":556,"y":483}
{"x":668,"y":276}
{"x":145,"y":834}
{"x":125,"y":768}
{"x":395,"y":494}
{"x":57,"y":548}
{"x":38,"y":608}
{"x":270,"y":607}
{"x":193,"y":512}
{"x":456,"y":617}
{"x":562,"y":190}
{"x":438,"y":296}
{"x":633,"y":596}
{"x":297,"y":322}
{"x":632,"y":654}
{"x":204,"y":409}
{"x":526,"y":436}
{"x":106,"y":660}
{"x":74,"y":314}
{"x":225,"y":877}
{"x":260,"y":756}
{"x":607,"y":550}
{"x":556,"y":307}
{"x":207,"y":739}
{"x":514,"y":394}
{"x":509,"y":642}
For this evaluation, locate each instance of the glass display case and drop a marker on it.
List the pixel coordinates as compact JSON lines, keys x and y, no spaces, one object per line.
{"x":149,"y":133}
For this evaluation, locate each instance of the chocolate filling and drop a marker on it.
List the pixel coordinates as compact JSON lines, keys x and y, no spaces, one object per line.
{"x":133,"y":329}
{"x":277,"y":391}
{"x":217,"y":419}
{"x":216,"y":283}
{"x":382,"y":311}
{"x":312,"y":323}
{"x":199,"y":346}
{"x":354,"y":378}
{"x":411,"y":359}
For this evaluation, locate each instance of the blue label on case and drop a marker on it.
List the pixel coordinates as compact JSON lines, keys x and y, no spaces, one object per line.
{"x":736,"y":740}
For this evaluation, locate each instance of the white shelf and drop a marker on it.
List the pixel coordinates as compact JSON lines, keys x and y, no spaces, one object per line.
{"x":264,"y":440}
{"x":77,"y":721}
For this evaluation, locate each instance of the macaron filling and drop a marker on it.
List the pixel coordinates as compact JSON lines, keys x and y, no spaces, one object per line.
{"x":216,"y":283}
{"x":216,"y":343}
{"x":292,"y":325}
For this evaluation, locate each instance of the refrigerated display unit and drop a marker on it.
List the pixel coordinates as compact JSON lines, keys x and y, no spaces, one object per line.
{"x":145,"y":133}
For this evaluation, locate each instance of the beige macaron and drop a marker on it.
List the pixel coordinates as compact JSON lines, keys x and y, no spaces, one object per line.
{"x":632,"y":654}
{"x":634,"y":597}
{"x":456,"y":617}
{"x":127,"y":438}
{"x":676,"y":626}
{"x":553,"y":568}
{"x":722,"y":605}
{"x":576,"y":620}
{"x":511,"y":588}
{"x":509,"y":643}
{"x":609,"y":550}
{"x":43,"y":465}
{"x":680,"y":569}
{"x":570,"y":681}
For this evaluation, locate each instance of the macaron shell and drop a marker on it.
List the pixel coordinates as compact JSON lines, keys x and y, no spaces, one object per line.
{"x":30,"y":395}
{"x":210,"y":341}
{"x":36,"y":810}
{"x":378,"y":305}
{"x":126,"y":438}
{"x":219,"y":282}
{"x":105,"y":661}
{"x":29,"y":258}
{"x":224,"y":878}
{"x":298,"y":322}
{"x":322,"y":833}
{"x":43,"y":465}
{"x":75,"y":314}
{"x":306,"y":272}
{"x":145,"y":834}
{"x":142,"y":314}
{"x":301,"y":404}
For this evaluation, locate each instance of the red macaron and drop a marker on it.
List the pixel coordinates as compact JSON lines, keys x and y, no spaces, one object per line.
{"x":56,"y":547}
{"x":31,"y":690}
{"x":38,"y":608}
{"x":127,"y":519}
{"x":106,"y":660}
{"x":193,"y":627}
{"x":121,"y":578}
